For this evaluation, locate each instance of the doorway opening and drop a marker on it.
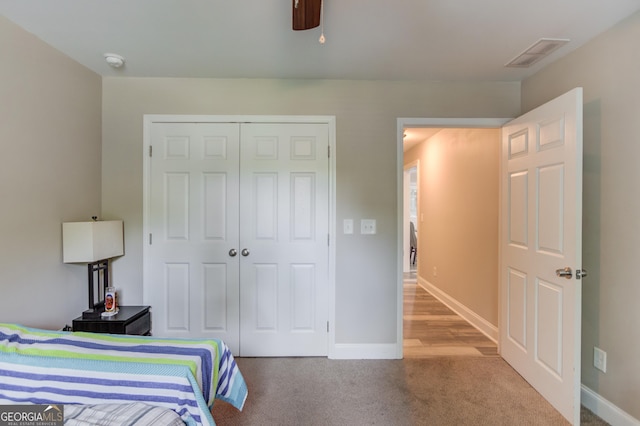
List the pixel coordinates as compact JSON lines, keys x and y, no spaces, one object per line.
{"x":539,"y":228}
{"x":437,"y":314}
{"x":411,"y":192}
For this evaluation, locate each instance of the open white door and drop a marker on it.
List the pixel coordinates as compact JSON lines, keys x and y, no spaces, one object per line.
{"x":540,"y":236}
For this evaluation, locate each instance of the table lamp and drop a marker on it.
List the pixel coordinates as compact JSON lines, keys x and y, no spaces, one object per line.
{"x":93,"y":243}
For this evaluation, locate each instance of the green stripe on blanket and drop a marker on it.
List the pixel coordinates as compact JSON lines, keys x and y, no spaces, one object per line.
{"x":82,"y":355}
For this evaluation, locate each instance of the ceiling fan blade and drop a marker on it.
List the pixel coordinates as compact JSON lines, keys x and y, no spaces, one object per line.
{"x":307,"y":14}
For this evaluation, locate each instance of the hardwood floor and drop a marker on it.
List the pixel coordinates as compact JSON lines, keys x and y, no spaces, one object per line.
{"x":432,"y":329}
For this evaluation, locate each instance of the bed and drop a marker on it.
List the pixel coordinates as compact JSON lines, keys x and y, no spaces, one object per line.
{"x":91,"y":370}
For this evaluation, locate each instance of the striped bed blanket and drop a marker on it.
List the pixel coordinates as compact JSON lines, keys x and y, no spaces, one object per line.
{"x":186,"y":375}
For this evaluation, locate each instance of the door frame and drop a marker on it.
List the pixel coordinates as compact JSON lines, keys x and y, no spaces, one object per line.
{"x":403,"y":123}
{"x":149,"y":119}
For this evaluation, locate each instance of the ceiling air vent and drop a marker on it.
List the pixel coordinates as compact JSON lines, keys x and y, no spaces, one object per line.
{"x":536,"y":52}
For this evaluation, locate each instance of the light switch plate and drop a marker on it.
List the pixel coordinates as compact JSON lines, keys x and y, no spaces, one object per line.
{"x":368,"y":226}
{"x":599,"y":359}
{"x":348,"y":226}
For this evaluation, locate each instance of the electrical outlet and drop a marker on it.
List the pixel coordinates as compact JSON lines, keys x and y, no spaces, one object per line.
{"x":368,"y":226}
{"x":599,"y":359}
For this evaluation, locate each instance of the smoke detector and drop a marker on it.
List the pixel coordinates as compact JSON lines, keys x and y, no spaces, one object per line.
{"x":538,"y":50}
{"x":116,"y":61}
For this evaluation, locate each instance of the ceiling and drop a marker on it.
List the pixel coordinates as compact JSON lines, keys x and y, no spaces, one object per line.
{"x":436,"y":40}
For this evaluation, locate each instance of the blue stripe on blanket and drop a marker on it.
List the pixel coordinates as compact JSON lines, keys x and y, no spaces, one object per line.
{"x":223,"y":383}
{"x":90,"y":380}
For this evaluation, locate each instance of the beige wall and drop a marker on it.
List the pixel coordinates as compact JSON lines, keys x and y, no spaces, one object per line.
{"x":51,"y":171}
{"x":458,"y":234}
{"x":609,"y":70}
{"x":366,"y":116}
{"x":50,"y":124}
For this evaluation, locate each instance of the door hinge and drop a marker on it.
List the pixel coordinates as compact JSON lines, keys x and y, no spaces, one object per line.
{"x":327,"y":326}
{"x":150,"y":150}
{"x":150,"y":238}
{"x":328,"y":239}
{"x":329,"y":151}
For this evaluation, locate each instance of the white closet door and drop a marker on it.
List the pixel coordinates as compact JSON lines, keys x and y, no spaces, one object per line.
{"x":239,"y":224}
{"x":284,"y":230}
{"x":193,"y":282}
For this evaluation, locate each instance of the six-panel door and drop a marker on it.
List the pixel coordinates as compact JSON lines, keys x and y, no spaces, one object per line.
{"x":541,"y":233}
{"x":238,"y":250}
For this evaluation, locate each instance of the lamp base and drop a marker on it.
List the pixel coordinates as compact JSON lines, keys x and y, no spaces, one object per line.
{"x":92,"y":313}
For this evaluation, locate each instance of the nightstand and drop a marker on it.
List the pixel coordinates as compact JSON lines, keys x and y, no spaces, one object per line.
{"x":129,"y":320}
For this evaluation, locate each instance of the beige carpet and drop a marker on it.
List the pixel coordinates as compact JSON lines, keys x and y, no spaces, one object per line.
{"x":432,"y":391}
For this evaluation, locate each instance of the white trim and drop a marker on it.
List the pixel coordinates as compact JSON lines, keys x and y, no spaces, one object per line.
{"x":332,"y":236}
{"x":178,"y":118}
{"x":364,"y":351}
{"x":454,"y":123}
{"x":422,"y":122}
{"x":605,"y":409}
{"x":399,"y":239}
{"x":484,"y":326}
{"x":146,"y":181}
{"x":148,"y":119}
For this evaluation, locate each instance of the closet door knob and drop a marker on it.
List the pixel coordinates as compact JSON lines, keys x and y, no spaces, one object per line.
{"x":233,"y":252}
{"x":565,"y":272}
{"x":245,"y":252}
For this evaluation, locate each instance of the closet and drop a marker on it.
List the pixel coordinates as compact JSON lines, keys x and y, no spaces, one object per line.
{"x":238,"y":221}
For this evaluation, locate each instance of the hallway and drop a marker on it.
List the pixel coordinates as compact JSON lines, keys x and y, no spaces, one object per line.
{"x":432,"y":329}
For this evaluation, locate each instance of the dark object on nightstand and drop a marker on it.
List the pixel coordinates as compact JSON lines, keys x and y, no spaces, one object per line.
{"x":129,"y":320}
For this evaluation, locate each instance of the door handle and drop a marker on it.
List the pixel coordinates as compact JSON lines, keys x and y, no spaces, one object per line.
{"x":566,"y":272}
{"x":233,"y":252}
{"x":245,"y":252}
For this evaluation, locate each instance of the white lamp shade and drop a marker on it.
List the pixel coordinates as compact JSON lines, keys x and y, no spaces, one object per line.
{"x":86,"y":242}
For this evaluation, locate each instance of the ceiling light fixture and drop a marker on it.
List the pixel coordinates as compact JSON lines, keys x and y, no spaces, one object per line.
{"x":116,"y":61}
{"x":309,"y":14}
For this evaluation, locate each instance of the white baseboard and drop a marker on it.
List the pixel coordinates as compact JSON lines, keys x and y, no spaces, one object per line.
{"x":484,"y":326}
{"x":391,"y":351}
{"x":605,"y":409}
{"x":364,"y":351}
